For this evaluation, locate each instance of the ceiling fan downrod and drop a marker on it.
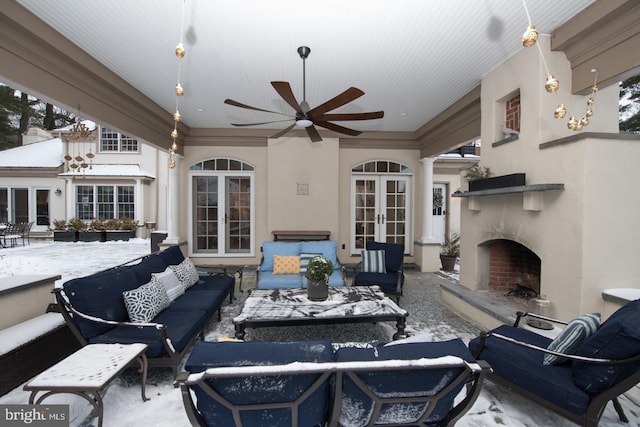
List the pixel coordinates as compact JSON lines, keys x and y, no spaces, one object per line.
{"x":304,"y":52}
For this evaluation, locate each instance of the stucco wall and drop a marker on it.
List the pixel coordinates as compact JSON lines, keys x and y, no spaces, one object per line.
{"x":573,"y":227}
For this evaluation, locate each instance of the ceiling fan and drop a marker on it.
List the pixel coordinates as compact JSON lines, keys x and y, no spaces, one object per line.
{"x":309,"y":118}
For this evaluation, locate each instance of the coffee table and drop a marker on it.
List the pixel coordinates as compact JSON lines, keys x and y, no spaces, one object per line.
{"x":291,"y":307}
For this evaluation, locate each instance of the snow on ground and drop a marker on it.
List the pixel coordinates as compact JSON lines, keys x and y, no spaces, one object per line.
{"x":123,"y":406}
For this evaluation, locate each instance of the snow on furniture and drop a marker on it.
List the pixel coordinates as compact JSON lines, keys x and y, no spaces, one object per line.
{"x":95,"y":309}
{"x":316,"y":383}
{"x":267,"y":278}
{"x":87,"y":372}
{"x":29,"y":347}
{"x":605,"y":365}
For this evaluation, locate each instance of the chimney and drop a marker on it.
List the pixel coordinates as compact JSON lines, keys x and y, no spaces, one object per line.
{"x":35,"y":135}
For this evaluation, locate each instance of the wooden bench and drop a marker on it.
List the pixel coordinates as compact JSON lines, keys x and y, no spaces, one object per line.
{"x":299,"y":235}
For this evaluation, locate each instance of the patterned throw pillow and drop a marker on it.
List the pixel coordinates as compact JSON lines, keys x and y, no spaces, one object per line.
{"x":373,"y":261}
{"x":146,"y":302}
{"x":170,"y":281}
{"x":304,"y":262}
{"x":572,"y":337}
{"x":186,"y":272}
{"x":286,"y":264}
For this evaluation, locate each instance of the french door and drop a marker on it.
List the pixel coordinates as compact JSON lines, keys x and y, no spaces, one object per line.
{"x":222,"y":214}
{"x":439,"y":211}
{"x":380,"y":210}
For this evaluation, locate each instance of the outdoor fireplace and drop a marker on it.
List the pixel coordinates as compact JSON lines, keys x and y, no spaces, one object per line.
{"x":513,"y":268}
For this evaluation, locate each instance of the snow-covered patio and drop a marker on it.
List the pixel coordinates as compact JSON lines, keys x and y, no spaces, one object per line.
{"x":123,"y":406}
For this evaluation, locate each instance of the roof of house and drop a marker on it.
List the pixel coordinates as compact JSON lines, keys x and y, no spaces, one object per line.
{"x":129,"y":171}
{"x":43,"y":154}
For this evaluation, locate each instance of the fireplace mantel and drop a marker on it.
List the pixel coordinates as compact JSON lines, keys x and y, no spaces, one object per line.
{"x":531,"y":195}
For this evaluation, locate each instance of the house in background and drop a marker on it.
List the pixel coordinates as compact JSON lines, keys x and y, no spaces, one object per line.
{"x":98,"y":173}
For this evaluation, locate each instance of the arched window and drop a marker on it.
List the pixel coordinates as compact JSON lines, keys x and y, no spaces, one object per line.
{"x":222,"y":204}
{"x":380,"y":203}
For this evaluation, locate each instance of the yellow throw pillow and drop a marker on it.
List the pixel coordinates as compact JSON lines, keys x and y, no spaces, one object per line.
{"x":286,"y":264}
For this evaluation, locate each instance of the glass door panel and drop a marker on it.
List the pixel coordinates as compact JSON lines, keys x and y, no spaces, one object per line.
{"x":365,"y":214}
{"x":238,"y":215}
{"x":205,"y":190}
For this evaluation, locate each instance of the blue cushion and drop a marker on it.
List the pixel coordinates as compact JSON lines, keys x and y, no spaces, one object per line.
{"x":328,"y":248}
{"x":394,"y":254}
{"x":387,"y":282}
{"x":182,"y":327}
{"x":313,"y":411}
{"x":100,"y":295}
{"x":208,"y":300}
{"x":617,"y":338}
{"x":146,"y":267}
{"x":335,"y":279}
{"x":269,"y":249}
{"x":217,"y":281}
{"x":523,"y":367}
{"x":357,"y":406}
{"x":268,"y":280}
{"x":172,"y":255}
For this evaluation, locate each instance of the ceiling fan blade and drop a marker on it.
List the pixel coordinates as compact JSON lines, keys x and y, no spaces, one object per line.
{"x":283,"y":131}
{"x":338,"y":128}
{"x":313,"y":133}
{"x":284,"y":90}
{"x":261,"y":123}
{"x":249,"y":107}
{"x":304,"y":105}
{"x":337,"y":101}
{"x":340,"y":117}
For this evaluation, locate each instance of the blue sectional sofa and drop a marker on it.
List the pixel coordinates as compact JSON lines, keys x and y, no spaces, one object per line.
{"x":266,"y":279}
{"x":95,"y":310}
{"x":315,"y":383}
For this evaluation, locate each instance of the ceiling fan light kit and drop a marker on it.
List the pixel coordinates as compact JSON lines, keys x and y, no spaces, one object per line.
{"x":306,"y":117}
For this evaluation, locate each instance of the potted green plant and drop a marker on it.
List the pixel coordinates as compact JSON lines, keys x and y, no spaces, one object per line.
{"x":450,"y":251}
{"x":318,"y":272}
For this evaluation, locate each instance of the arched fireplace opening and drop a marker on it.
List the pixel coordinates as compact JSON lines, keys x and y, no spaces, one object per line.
{"x":513,"y":268}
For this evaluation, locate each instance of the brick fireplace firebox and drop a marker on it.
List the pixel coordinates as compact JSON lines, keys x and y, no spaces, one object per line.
{"x":511,"y":265}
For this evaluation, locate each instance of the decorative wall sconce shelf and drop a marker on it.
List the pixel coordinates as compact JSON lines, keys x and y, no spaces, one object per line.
{"x":531,"y":195}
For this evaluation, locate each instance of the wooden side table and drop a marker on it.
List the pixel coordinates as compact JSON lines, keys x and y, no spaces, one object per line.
{"x":87,"y":372}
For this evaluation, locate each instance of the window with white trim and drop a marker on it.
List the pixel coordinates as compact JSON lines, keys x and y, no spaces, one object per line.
{"x":114,"y":142}
{"x":105,"y":201}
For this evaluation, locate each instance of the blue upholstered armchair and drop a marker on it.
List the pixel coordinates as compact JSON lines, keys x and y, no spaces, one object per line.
{"x":382,"y":265}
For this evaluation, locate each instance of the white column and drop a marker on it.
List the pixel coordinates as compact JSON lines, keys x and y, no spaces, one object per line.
{"x":427,"y":200}
{"x":173,"y":221}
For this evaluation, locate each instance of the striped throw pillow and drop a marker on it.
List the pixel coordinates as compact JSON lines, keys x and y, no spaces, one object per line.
{"x":373,"y":261}
{"x":572,"y":337}
{"x":304,"y":262}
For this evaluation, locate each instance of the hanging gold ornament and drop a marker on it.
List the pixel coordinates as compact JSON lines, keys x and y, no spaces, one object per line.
{"x":68,"y":158}
{"x":552,"y":84}
{"x":530,"y":37}
{"x":172,"y":164}
{"x":174,"y":146}
{"x":560,"y":112}
{"x":79,"y":158}
{"x":174,"y":134}
{"x":179,"y":89}
{"x":176,"y":116}
{"x":180,"y":51}
{"x":83,"y":165}
{"x":589,"y":113}
{"x":591,"y":101}
{"x":573,"y":123}
{"x":73,"y":166}
{"x":584,"y":121}
{"x":90,"y":155}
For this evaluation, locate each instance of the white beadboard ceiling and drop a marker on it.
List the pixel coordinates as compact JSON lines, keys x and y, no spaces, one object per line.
{"x":412,"y":58}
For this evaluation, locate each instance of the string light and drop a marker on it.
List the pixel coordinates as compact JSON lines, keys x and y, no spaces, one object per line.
{"x":179,"y":51}
{"x":530,"y":38}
